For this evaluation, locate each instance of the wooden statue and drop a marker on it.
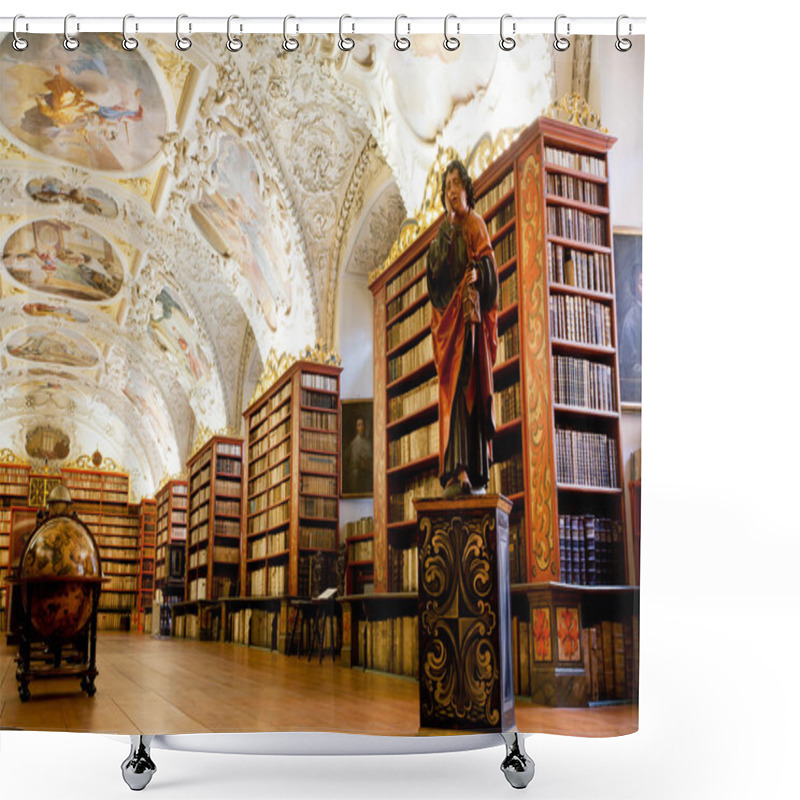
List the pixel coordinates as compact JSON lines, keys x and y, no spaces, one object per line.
{"x":463,"y":286}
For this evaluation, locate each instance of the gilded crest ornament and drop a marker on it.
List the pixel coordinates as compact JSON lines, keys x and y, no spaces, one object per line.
{"x":275,"y":365}
{"x":105,"y":464}
{"x":10,"y":457}
{"x":576,"y":111}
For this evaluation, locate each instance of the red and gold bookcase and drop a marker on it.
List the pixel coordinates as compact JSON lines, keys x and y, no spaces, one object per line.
{"x":557,"y":452}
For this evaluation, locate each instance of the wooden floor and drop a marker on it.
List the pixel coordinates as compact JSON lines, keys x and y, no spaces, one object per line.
{"x":149,"y":685}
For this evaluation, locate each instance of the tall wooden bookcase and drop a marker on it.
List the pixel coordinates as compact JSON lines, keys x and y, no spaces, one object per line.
{"x":214,"y":520}
{"x":557,"y":451}
{"x":292,"y":487}
{"x":14,"y":480}
{"x":101,"y":500}
{"x":143,"y":618}
{"x":170,"y":578}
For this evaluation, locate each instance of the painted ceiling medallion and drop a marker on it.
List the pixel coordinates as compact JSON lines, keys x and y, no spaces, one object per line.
{"x":52,"y":191}
{"x":232,"y":220}
{"x":47,"y":442}
{"x":65,"y":348}
{"x":65,"y":260}
{"x":175,"y":334}
{"x":55,"y":312}
{"x":98,"y":108}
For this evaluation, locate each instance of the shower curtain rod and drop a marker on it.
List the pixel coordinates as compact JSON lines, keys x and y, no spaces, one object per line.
{"x":408,"y":25}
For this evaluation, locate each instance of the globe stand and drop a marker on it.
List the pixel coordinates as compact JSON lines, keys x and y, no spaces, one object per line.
{"x":39,"y":659}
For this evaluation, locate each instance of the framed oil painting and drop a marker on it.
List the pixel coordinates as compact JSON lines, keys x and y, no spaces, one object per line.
{"x":357,"y":449}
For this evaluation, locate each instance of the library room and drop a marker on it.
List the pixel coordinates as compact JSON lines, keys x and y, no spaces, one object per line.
{"x":320,"y":402}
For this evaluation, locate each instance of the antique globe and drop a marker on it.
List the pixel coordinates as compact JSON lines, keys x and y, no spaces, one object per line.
{"x":59,"y":570}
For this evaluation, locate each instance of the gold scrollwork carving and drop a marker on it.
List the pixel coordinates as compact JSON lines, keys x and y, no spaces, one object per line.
{"x":106,"y":464}
{"x":204,"y":434}
{"x":574,"y":109}
{"x":460,"y":666}
{"x":10,"y":152}
{"x":275,"y":365}
{"x":10,"y":457}
{"x":533,"y":276}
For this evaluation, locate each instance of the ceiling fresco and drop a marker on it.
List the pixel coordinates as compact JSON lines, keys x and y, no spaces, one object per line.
{"x":168,"y":219}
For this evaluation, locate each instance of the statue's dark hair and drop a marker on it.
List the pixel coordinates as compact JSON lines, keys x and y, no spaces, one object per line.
{"x":465,"y":179}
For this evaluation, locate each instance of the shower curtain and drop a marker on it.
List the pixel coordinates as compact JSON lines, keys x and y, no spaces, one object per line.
{"x":186,"y":228}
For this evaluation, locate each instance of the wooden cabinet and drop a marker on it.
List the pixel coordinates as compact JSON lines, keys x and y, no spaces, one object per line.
{"x":292,"y":494}
{"x":213,"y":540}
{"x":557,"y":450}
{"x":14,"y":480}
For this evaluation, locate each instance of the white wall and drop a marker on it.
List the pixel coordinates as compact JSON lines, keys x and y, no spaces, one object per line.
{"x":355,"y":348}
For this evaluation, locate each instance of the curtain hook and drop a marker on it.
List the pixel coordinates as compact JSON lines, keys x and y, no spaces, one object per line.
{"x":290,"y":44}
{"x":70,"y":42}
{"x":451,"y":42}
{"x":507,"y":42}
{"x":345,"y":42}
{"x":234,"y":43}
{"x":560,"y":43}
{"x":18,"y":43}
{"x":401,"y":42}
{"x":182,"y":42}
{"x":623,"y":45}
{"x":128,"y":42}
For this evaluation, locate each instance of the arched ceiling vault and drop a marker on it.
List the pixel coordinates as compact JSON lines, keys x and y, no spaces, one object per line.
{"x":167,"y":219}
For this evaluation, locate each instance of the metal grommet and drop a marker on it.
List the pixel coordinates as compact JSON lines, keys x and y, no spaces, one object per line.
{"x":70,"y":42}
{"x":345,"y":42}
{"x":290,"y":44}
{"x":506,"y":42}
{"x":18,"y":43}
{"x":560,"y":43}
{"x":401,"y":43}
{"x":451,"y":42}
{"x":623,"y":45}
{"x":182,"y":42}
{"x":234,"y":43}
{"x":128,"y":42}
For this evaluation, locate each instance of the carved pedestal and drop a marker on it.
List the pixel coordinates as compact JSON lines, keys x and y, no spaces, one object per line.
{"x":465,"y":668}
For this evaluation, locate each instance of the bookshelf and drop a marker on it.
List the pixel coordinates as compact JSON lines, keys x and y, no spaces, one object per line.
{"x":292,"y":489}
{"x":359,"y":539}
{"x":143,"y":618}
{"x":213,"y":536}
{"x":14,"y":481}
{"x":557,"y":449}
{"x":100,"y":499}
{"x":170,"y":576}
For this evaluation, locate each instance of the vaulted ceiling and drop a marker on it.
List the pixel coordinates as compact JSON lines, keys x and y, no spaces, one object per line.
{"x":167,"y":219}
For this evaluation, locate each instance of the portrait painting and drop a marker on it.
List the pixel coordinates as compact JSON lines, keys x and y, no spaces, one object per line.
{"x":66,"y":348}
{"x":91,"y":108}
{"x":65,"y":260}
{"x":175,"y":334}
{"x":357,"y":448}
{"x":52,"y":191}
{"x":232,"y":221}
{"x":628,"y":283}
